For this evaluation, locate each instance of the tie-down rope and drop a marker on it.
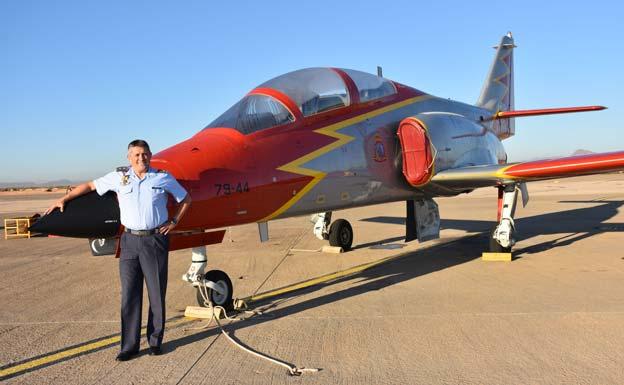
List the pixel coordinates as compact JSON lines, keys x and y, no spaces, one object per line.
{"x":292,"y":369}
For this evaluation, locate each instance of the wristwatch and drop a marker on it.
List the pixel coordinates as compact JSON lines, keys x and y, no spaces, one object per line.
{"x":174,"y":221}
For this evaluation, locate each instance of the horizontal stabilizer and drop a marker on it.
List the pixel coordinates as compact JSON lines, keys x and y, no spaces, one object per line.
{"x":544,"y":111}
{"x":468,"y":178}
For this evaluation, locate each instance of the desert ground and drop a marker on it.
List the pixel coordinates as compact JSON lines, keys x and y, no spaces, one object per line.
{"x":431,"y":313}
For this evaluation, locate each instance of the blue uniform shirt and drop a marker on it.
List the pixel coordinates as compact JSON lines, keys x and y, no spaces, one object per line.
{"x":142,"y":202}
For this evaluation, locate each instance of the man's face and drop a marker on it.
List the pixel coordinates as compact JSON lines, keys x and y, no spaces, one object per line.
{"x":139,"y":158}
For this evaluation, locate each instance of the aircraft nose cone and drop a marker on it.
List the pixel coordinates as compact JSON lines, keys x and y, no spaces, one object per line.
{"x":88,"y":216}
{"x":219,"y":148}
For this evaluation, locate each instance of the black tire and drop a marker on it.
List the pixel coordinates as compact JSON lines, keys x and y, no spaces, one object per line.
{"x":222,"y":279}
{"x":341,"y":234}
{"x":495,"y":247}
{"x":102,"y":246}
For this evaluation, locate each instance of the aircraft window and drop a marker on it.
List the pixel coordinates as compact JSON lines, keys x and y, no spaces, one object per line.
{"x":228,"y":118}
{"x":253,"y":113}
{"x":259,"y":112}
{"x":371,"y":87}
{"x":314,"y":90}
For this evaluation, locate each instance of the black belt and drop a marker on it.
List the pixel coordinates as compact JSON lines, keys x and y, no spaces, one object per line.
{"x":142,"y":232}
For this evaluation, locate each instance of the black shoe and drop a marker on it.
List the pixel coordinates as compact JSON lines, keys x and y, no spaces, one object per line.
{"x":124,"y":356}
{"x":155,"y":351}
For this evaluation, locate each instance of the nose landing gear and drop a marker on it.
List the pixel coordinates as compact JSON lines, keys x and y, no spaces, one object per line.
{"x":214,"y":286}
{"x":217,"y":287}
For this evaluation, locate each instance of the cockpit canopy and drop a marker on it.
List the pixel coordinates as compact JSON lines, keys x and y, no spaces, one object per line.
{"x":312,"y":90}
{"x":253,"y":113}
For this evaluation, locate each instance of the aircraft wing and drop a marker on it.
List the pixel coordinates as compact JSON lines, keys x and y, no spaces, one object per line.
{"x":468,"y":178}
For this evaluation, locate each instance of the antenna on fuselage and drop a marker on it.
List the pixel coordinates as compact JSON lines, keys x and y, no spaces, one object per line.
{"x":379,"y":72}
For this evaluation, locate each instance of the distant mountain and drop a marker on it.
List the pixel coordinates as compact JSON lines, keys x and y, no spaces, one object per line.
{"x":52,"y":183}
{"x":580,"y":151}
{"x":61,"y":182}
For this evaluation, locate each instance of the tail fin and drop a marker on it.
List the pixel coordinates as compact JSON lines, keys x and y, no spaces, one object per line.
{"x":498,"y":90}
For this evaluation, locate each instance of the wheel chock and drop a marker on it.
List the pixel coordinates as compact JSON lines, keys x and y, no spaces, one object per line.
{"x":331,"y":249}
{"x":324,"y":249}
{"x":497,"y":257}
{"x":203,"y":312}
{"x":240,"y":304}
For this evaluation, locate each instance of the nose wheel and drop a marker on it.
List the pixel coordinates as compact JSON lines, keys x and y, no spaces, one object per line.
{"x":217,"y":288}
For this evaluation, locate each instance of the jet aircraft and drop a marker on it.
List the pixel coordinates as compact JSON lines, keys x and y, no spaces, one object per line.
{"x":318,"y":140}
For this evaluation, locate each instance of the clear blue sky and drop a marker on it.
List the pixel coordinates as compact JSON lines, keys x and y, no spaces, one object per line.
{"x":80,"y":79}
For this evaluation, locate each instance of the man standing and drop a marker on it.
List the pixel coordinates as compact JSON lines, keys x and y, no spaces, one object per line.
{"x":142,"y":195}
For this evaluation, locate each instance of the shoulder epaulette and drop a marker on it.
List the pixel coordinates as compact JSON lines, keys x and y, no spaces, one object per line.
{"x":161,"y":170}
{"x":123,"y":169}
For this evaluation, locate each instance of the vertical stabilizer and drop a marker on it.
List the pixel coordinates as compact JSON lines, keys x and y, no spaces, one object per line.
{"x":498,"y":90}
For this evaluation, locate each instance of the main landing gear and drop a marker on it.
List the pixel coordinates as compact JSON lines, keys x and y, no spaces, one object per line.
{"x":214,"y":285}
{"x":502,"y":236}
{"x":339,"y":233}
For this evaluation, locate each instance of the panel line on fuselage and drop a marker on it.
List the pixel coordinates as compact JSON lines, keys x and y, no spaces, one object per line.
{"x":331,"y":130}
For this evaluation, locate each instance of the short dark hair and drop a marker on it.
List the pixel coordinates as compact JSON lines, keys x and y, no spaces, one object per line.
{"x":139,"y":143}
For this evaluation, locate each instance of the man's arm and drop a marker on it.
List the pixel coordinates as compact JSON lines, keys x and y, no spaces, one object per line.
{"x":182,"y":207}
{"x":82,"y":189}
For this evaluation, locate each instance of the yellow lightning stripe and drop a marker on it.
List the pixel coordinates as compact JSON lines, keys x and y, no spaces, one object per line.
{"x":294,"y":167}
{"x":501,"y":173}
{"x":463,"y":175}
{"x":71,"y":352}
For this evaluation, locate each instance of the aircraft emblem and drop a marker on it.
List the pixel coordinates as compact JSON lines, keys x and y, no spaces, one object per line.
{"x":380,"y":150}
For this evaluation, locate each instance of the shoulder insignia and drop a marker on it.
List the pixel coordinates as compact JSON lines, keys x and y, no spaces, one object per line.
{"x":160,"y":170}
{"x":124,"y":174}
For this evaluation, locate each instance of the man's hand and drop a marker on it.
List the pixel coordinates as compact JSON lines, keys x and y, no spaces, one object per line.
{"x":184,"y":205}
{"x":76,"y":192}
{"x":59,"y":203}
{"x":166,"y":228}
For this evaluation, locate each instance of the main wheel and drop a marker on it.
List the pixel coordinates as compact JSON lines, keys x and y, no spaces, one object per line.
{"x":102,"y":246}
{"x":223,"y":281}
{"x":495,"y":247}
{"x":341,"y":234}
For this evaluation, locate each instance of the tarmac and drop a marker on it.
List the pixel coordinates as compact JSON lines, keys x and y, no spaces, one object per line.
{"x":431,"y":313}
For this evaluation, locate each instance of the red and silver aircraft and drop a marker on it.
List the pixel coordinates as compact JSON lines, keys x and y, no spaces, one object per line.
{"x":318,"y":140}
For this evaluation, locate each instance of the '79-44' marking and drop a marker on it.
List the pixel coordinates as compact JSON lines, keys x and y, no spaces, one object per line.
{"x":230,"y":188}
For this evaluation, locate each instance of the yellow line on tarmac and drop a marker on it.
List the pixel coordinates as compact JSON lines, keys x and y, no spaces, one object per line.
{"x":37,"y":362}
{"x":322,"y":279}
{"x":71,"y":352}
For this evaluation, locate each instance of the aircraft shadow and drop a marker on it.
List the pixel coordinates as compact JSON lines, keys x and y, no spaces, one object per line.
{"x":577,"y":223}
{"x":402,"y":268}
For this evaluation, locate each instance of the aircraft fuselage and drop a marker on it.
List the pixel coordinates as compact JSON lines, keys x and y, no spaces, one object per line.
{"x":342,"y":158}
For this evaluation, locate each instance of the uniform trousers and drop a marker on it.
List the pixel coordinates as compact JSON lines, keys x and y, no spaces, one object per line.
{"x":142,"y":257}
